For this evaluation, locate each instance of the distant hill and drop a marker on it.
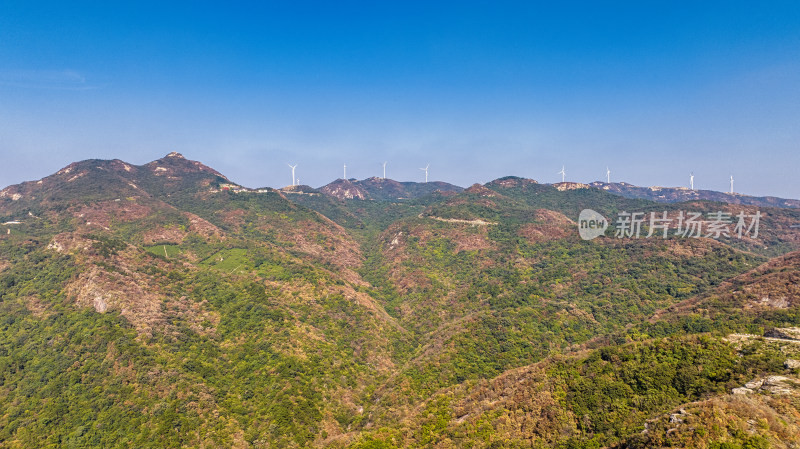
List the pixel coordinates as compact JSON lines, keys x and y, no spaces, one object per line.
{"x":680,"y":194}
{"x":384,"y":189}
{"x":95,"y":180}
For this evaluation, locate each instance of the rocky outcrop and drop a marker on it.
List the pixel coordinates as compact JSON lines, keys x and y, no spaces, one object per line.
{"x":784,"y":333}
{"x":345,"y":190}
{"x":770,"y":384}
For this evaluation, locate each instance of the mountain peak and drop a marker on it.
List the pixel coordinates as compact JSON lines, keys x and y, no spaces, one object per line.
{"x":512,"y":181}
{"x":175,"y":164}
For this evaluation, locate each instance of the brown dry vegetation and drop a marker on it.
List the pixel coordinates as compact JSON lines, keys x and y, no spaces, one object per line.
{"x":774,"y":284}
{"x":104,"y":214}
{"x":549,"y":225}
{"x":727,"y":419}
{"x":118,"y":283}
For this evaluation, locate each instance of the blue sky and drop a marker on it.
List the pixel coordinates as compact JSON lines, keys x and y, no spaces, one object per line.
{"x":478,"y":90}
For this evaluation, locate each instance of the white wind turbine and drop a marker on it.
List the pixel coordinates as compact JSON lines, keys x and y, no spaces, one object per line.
{"x":608,"y":176}
{"x":384,"y":170}
{"x":292,"y":167}
{"x":731,"y":184}
{"x":426,"y":172}
{"x":563,"y":174}
{"x":691,"y":180}
{"x":345,"y":171}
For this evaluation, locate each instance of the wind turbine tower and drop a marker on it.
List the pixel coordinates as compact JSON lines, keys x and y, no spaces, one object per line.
{"x":691,"y":180}
{"x":563,"y":174}
{"x":345,"y":172}
{"x":426,"y":172}
{"x":608,"y":176}
{"x":384,"y":170}
{"x":292,"y":167}
{"x":731,"y":184}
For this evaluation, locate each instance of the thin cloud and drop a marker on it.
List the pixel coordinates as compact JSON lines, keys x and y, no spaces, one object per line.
{"x":65,"y":79}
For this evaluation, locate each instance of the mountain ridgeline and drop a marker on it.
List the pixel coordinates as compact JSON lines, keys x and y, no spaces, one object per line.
{"x":164,"y":305}
{"x":680,"y":194}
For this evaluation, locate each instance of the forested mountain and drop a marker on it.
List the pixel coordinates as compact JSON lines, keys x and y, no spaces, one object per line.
{"x":164,"y":305}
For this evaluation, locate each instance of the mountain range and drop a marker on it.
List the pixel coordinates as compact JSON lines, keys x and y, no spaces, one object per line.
{"x":679,"y":194}
{"x":164,"y":305}
{"x":387,"y":189}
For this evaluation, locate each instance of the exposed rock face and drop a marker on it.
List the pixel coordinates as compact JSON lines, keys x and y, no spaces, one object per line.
{"x":785,"y":333}
{"x":345,"y":190}
{"x":780,"y":302}
{"x":778,"y":385}
{"x":9,"y":192}
{"x":754,"y":384}
{"x":562,"y":186}
{"x":677,"y":418}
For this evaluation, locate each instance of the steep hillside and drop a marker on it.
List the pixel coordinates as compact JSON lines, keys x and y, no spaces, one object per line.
{"x":764,"y":297}
{"x":243,"y":295}
{"x":656,"y":393}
